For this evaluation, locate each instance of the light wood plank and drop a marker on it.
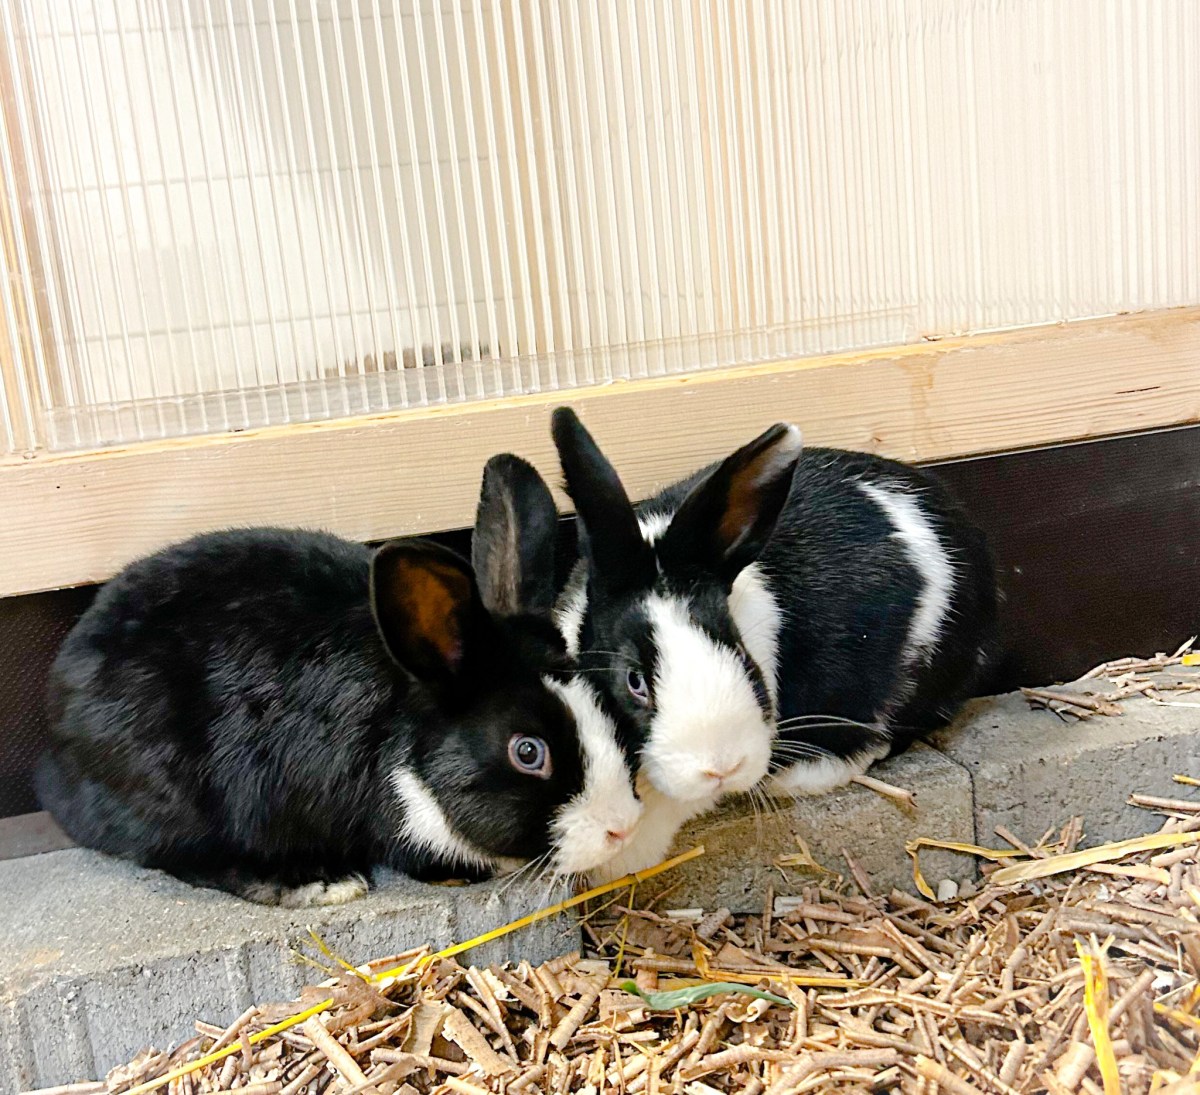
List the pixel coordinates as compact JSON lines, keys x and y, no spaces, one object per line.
{"x":72,"y":518}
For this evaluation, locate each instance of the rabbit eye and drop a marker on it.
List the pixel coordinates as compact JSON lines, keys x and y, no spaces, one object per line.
{"x":638,"y":688}
{"x":530,"y":755}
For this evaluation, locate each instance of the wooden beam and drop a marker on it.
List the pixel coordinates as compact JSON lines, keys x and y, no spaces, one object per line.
{"x":71,"y":518}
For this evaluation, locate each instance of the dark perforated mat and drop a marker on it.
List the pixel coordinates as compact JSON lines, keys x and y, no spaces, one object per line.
{"x":30,"y":630}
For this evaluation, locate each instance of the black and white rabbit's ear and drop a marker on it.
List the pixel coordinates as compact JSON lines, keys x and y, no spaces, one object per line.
{"x":726,"y":519}
{"x":427,"y":608}
{"x":610,"y":540}
{"x":512,"y":547}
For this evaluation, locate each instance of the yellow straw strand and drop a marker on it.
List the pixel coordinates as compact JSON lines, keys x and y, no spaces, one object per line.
{"x":1104,"y":853}
{"x":1095,"y":1003}
{"x":326,"y":950}
{"x":913,"y":848}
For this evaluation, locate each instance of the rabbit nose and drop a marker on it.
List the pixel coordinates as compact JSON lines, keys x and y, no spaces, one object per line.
{"x":617,"y":836}
{"x":722,"y":774}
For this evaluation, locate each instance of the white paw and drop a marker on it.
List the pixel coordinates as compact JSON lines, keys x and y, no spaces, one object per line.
{"x":350,"y":888}
{"x":818,"y":777}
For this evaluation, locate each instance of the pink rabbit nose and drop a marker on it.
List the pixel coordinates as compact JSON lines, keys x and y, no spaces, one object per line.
{"x":616,"y":836}
{"x":720,"y":775}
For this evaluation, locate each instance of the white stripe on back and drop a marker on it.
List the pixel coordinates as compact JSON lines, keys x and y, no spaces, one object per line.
{"x":915,"y":532}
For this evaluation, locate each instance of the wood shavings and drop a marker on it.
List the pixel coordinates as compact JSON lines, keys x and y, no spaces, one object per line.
{"x":905,"y":799}
{"x":1125,"y":678}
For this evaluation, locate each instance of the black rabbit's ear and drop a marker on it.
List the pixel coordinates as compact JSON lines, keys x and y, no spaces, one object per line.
{"x":726,"y":519}
{"x":427,"y":607}
{"x":619,"y":559}
{"x":512,"y":548}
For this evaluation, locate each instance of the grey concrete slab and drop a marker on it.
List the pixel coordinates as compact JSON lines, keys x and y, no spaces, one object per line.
{"x":1031,"y":770}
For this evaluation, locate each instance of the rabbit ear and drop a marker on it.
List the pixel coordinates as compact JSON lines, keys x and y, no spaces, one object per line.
{"x":726,"y":519}
{"x":512,"y":547}
{"x":427,"y":608}
{"x":618,"y":556}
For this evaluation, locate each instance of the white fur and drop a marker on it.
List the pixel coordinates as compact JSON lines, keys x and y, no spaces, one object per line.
{"x":709,"y":737}
{"x":308,"y":896}
{"x":324,"y":893}
{"x":653,"y":525}
{"x":572,"y":607}
{"x":816,"y":777}
{"x":916,"y":534}
{"x":758,"y":620}
{"x":662,"y":817}
{"x":426,"y":826}
{"x":601,"y":820}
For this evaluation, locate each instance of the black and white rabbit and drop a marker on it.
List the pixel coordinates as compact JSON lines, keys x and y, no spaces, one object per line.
{"x":789,"y":613}
{"x":275,"y":713}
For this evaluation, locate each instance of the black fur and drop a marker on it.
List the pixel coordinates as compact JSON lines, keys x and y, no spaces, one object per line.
{"x":844,"y":585}
{"x":228,"y":711}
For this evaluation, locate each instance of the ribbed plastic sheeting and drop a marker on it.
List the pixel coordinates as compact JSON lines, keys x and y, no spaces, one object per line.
{"x":226,"y":213}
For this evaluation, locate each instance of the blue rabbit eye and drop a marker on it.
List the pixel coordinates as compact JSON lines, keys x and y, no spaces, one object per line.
{"x":638,"y":687}
{"x":529,"y":754}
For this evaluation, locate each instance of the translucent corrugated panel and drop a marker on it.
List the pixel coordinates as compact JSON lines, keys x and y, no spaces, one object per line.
{"x":218,"y":214}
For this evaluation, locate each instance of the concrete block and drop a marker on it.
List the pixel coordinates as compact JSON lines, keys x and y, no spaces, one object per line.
{"x":741,"y":848}
{"x":1031,"y":769}
{"x":102,"y":958}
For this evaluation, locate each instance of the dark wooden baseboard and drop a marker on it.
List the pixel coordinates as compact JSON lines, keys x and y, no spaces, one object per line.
{"x":1097,"y":546}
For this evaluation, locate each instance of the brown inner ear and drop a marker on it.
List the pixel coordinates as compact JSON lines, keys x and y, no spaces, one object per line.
{"x":432,"y":596}
{"x":743,"y":500}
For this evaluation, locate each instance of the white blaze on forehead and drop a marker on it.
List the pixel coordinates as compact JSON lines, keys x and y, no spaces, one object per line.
{"x":426,"y":827}
{"x":757,"y":617}
{"x":916,"y":534}
{"x":707,"y":715}
{"x":606,"y":803}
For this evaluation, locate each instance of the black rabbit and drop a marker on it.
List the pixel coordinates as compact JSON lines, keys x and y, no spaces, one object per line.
{"x":274,"y":713}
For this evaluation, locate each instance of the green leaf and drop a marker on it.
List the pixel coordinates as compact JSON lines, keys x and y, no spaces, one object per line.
{"x":682,"y":998}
